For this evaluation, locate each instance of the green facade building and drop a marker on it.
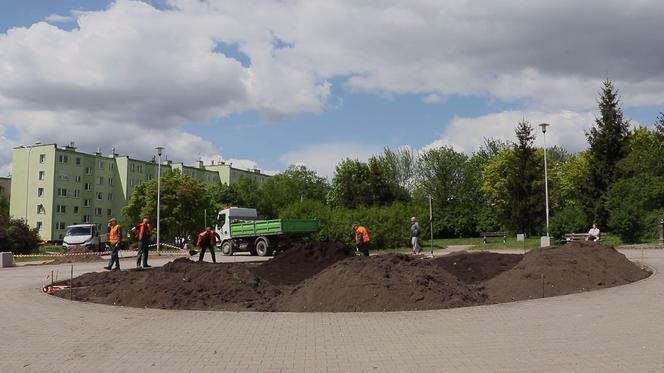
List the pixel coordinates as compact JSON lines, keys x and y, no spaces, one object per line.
{"x":53,"y":187}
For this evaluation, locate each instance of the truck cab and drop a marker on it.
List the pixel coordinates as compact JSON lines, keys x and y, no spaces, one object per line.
{"x":86,"y":235}
{"x":232,"y":215}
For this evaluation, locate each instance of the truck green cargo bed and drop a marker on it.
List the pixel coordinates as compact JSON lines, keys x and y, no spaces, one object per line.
{"x":273,"y":227}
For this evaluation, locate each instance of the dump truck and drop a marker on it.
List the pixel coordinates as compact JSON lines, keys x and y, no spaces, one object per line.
{"x":241,"y":229}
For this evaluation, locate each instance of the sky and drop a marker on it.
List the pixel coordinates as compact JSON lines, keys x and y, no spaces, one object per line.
{"x":265,"y":84}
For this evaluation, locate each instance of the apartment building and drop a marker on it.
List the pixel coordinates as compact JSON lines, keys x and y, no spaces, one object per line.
{"x":6,"y":187}
{"x":53,"y":187}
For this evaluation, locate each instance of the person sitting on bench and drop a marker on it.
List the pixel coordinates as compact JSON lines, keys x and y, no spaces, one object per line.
{"x":593,"y":233}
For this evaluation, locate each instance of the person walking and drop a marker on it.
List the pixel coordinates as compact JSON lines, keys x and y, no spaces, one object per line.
{"x":114,"y":242}
{"x":142,"y":231}
{"x":207,"y":240}
{"x":414,"y":235}
{"x":362,"y":240}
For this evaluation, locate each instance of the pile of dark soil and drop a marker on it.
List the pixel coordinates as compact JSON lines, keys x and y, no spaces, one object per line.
{"x":472,"y":268}
{"x":180,"y":284}
{"x":571,"y":268}
{"x":324,"y":278}
{"x":301,"y":262}
{"x":391,"y":282}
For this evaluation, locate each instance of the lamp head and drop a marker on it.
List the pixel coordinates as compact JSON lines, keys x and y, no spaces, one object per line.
{"x":159,"y":149}
{"x":544,"y":125}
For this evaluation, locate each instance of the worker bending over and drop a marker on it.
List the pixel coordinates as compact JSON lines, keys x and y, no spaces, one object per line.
{"x":207,"y":240}
{"x":362,"y":240}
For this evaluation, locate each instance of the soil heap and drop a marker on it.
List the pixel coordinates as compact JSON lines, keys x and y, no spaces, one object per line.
{"x":180,"y":284}
{"x":472,"y":268}
{"x":301,"y":262}
{"x":571,"y":268}
{"x":390,"y":282}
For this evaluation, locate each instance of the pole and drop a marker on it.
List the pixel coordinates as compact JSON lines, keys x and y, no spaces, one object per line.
{"x":431,"y":224}
{"x":205,"y":218}
{"x":546,"y":178}
{"x":159,"y":149}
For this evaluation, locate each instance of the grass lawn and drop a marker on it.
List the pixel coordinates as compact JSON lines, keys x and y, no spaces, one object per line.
{"x":50,"y":249}
{"x":33,"y":259}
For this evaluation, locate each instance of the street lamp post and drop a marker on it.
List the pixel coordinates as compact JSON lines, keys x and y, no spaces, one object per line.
{"x":546,"y":178}
{"x":159,"y":150}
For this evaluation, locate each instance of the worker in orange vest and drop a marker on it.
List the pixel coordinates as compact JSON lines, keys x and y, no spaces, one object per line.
{"x":362,"y":240}
{"x":142,"y":231}
{"x":114,"y":242}
{"x":207,"y":240}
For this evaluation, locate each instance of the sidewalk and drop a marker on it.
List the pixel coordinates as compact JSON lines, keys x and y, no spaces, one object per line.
{"x":612,"y":330}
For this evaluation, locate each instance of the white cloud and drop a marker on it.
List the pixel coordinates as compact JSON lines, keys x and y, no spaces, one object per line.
{"x":467,"y":134}
{"x":58,"y":18}
{"x":324,"y":157}
{"x":6,"y":146}
{"x":433,"y":98}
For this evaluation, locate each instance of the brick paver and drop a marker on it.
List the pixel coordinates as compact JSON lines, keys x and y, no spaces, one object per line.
{"x":611,"y":330}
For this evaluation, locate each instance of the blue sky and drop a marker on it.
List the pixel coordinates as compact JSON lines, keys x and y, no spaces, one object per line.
{"x":271,"y":83}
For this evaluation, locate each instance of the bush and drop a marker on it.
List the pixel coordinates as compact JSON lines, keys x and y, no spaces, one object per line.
{"x":568,"y":220}
{"x":634,"y":207}
{"x":389,"y":226}
{"x":17,"y":237}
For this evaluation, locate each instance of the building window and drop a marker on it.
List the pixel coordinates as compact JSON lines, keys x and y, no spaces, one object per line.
{"x":87,"y":187}
{"x":78,"y":161}
{"x":75,"y":209}
{"x":63,"y":177}
{"x":42,"y":158}
{"x":132,"y":167}
{"x":110,"y":196}
{"x":60,"y":226}
{"x":100,"y":180}
{"x":86,"y":203}
{"x":111,"y":166}
{"x":78,"y":178}
{"x":77,"y":193}
{"x":40,"y":192}
{"x":131,"y":182}
{"x":109,"y":212}
{"x":110,"y":181}
{"x":42,"y":175}
{"x":41,"y":209}
{"x":88,"y":171}
{"x":62,"y":192}
{"x":63,"y":158}
{"x":39,"y":225}
{"x":100,"y":196}
{"x":100,"y":164}
{"x":86,"y":218}
{"x":61,"y":209}
{"x":98,"y":211}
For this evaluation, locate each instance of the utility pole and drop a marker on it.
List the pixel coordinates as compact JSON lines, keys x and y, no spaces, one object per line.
{"x":431,"y":223}
{"x":159,"y":150}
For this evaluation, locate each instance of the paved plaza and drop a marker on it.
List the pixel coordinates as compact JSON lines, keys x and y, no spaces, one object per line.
{"x":613,"y":330}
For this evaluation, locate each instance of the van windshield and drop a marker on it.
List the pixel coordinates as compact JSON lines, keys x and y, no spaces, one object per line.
{"x":78,"y":231}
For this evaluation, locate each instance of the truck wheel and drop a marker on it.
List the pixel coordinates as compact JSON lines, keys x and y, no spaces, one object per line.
{"x":253,"y":251}
{"x":227,"y":248}
{"x":262,"y":248}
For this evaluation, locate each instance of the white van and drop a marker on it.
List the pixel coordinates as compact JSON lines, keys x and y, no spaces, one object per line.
{"x":83,"y":235}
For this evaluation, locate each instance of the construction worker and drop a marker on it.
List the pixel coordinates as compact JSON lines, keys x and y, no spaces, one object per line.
{"x":114,"y":242}
{"x":142,"y":231}
{"x":207,"y":240}
{"x":362,"y":240}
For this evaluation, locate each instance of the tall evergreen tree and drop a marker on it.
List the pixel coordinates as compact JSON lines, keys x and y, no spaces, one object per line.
{"x":608,"y":140}
{"x":524,"y":210}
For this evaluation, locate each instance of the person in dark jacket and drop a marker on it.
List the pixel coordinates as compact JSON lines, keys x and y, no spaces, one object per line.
{"x":415,"y":235}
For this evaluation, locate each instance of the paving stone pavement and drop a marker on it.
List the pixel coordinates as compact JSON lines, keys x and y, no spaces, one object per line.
{"x":613,"y":330}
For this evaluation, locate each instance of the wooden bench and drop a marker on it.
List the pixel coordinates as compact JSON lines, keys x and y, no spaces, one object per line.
{"x":486,"y":235}
{"x":569,"y":237}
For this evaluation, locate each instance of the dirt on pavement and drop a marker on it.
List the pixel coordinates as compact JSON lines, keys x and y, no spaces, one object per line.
{"x":323,"y":277}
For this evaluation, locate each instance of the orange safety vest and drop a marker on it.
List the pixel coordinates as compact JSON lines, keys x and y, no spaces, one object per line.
{"x":114,"y":234}
{"x":142,"y":229}
{"x":364,"y":232}
{"x":201,"y":237}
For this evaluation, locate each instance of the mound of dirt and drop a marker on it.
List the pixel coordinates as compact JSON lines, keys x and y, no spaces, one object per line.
{"x":472,"y":268}
{"x":181,"y":284}
{"x":390,"y":282}
{"x":301,"y":262}
{"x":571,"y":268}
{"x":86,"y":258}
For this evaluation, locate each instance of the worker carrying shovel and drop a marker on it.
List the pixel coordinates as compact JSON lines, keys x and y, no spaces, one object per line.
{"x":362,"y":240}
{"x":207,"y":240}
